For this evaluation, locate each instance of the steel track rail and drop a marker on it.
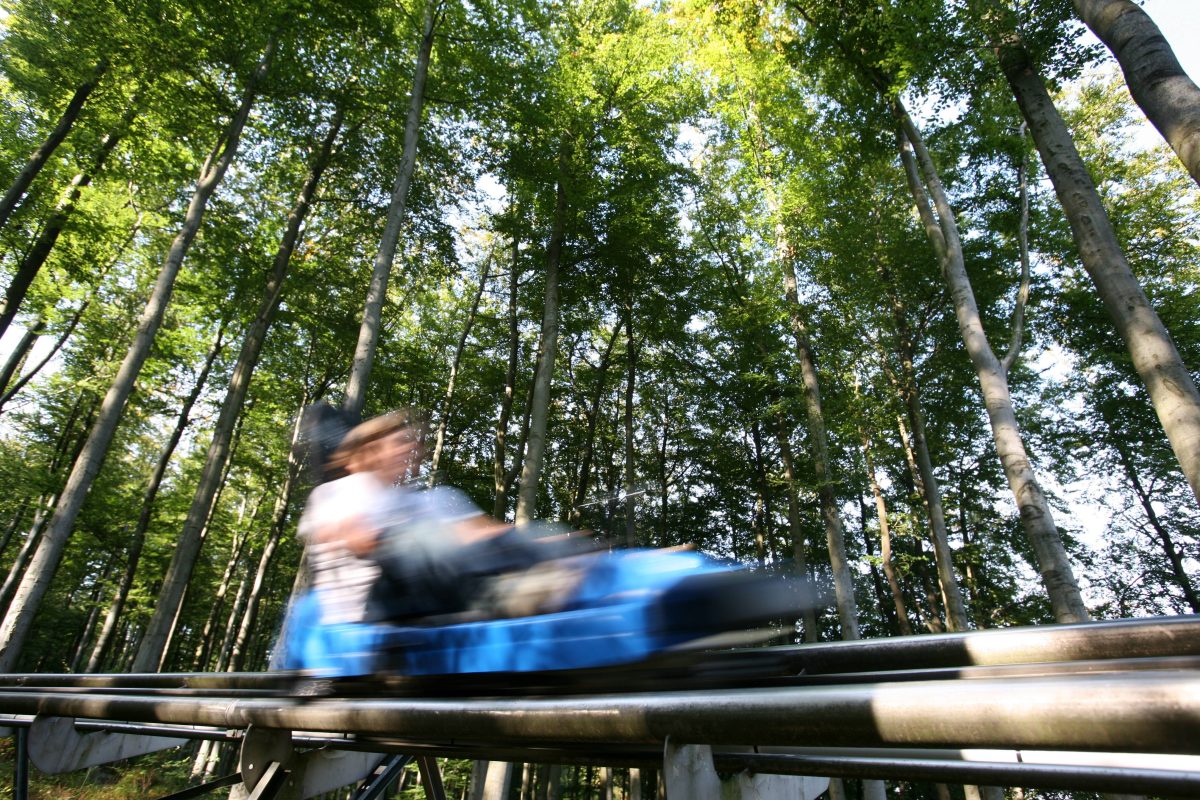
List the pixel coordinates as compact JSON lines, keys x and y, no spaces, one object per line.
{"x":986,"y":654}
{"x":1140,"y":712}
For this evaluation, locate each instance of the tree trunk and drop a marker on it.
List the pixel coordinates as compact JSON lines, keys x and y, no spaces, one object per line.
{"x":45,"y":503}
{"x":1053,"y":563}
{"x":188,"y":546}
{"x":795,"y":526}
{"x":20,"y":352}
{"x":278,"y":524}
{"x":539,"y":404}
{"x":448,"y":399}
{"x":1152,"y":351}
{"x":58,"y":343}
{"x":203,"y":652}
{"x":368,"y":334}
{"x":885,"y":539}
{"x":138,"y":538}
{"x":927,"y":483}
{"x":37,"y":160}
{"x":631,"y":355}
{"x":1159,"y":85}
{"x":843,"y":582}
{"x":1178,"y":570}
{"x":593,"y":418}
{"x":19,"y":618}
{"x":499,"y":471}
{"x":33,"y":260}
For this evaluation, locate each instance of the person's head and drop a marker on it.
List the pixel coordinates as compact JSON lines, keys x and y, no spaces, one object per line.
{"x":389,"y":445}
{"x":323,"y":428}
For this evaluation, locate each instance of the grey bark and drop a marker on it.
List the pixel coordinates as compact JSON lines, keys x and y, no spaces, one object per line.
{"x":539,"y":403}
{"x":16,"y":191}
{"x":1018,"y":323}
{"x":593,"y":417}
{"x":448,"y":398}
{"x":201,"y":657}
{"x":1152,"y":351}
{"x":843,"y":581}
{"x":930,"y":491}
{"x":499,"y":471}
{"x":885,"y":539}
{"x":58,"y":343}
{"x":795,"y":524}
{"x":1169,"y":98}
{"x":20,"y":352}
{"x":188,"y":546}
{"x":1160,"y":530}
{"x":1053,"y":563}
{"x":39,"y":251}
{"x":19,"y":618}
{"x":279,"y":515}
{"x":631,"y":355}
{"x":138,"y":538}
{"x":368,"y":334}
{"x":63,"y":335}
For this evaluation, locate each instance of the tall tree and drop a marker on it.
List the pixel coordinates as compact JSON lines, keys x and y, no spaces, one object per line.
{"x":38,"y":575}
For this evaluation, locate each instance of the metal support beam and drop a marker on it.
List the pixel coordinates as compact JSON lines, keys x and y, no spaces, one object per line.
{"x":56,"y":747}
{"x":204,"y":788}
{"x":431,"y":778}
{"x":308,"y":774}
{"x":688,"y":771}
{"x":21,"y":765}
{"x":388,"y":772}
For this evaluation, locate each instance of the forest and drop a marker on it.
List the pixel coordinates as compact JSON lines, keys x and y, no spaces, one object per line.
{"x":899,"y":294}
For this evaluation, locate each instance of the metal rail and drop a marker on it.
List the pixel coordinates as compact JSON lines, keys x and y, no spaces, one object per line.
{"x":1148,"y":712}
{"x":1128,"y":686}
{"x":991,"y":653}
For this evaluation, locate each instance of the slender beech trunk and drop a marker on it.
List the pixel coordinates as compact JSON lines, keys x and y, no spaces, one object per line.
{"x":843,"y":581}
{"x":20,"y":352}
{"x":539,"y":403}
{"x":138,"y":538}
{"x":448,"y":399}
{"x":63,"y":336}
{"x":1169,"y":98}
{"x":885,"y":539}
{"x":760,"y":515}
{"x":795,"y":525}
{"x":188,"y":546}
{"x":67,"y":442}
{"x":12,"y":197}
{"x":930,"y":490}
{"x":368,"y":334}
{"x":67,"y":332}
{"x":1160,"y":531}
{"x":1053,"y":563}
{"x":37,"y":254}
{"x":499,"y":472}
{"x":203,"y":652}
{"x":1151,"y":349}
{"x":631,"y":356}
{"x":279,"y":514}
{"x":593,"y":418}
{"x":19,"y":618}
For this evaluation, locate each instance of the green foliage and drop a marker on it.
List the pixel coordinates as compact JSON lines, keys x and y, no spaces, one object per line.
{"x":702,"y":149}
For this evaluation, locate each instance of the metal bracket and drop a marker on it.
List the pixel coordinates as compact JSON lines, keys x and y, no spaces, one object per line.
{"x":56,"y":747}
{"x":304,"y":775}
{"x":688,"y":771}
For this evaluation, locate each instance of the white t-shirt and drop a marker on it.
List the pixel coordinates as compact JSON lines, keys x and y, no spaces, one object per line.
{"x":342,"y":580}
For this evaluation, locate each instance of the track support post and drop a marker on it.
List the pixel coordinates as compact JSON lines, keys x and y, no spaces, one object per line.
{"x":688,"y":772}
{"x":56,"y":747}
{"x":305,"y":774}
